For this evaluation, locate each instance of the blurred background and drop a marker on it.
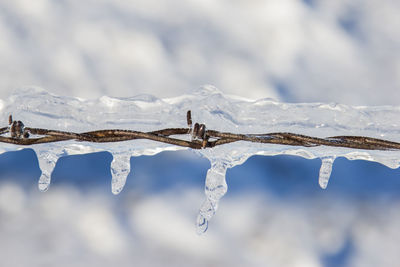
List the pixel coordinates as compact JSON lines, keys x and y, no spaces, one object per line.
{"x":274,"y":213}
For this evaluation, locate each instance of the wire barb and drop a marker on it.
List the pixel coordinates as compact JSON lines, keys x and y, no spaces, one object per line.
{"x":17,"y":129}
{"x":201,"y":137}
{"x":189,"y":118}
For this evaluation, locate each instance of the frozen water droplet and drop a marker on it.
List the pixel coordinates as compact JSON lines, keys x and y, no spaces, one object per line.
{"x":120,"y":168}
{"x":215,"y":188}
{"x":47,"y":161}
{"x":325,"y":171}
{"x":207,"y":209}
{"x":201,"y":224}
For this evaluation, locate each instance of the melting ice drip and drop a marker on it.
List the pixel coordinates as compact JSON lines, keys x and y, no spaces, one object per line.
{"x":120,"y":168}
{"x":215,"y":188}
{"x":37,"y":108}
{"x":47,"y":159}
{"x":325,"y":171}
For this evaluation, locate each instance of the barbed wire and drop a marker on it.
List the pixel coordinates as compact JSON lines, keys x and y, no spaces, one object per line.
{"x":201,"y":137}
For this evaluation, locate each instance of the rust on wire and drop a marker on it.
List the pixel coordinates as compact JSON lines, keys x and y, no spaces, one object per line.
{"x":201,"y":137}
{"x":189,"y":119}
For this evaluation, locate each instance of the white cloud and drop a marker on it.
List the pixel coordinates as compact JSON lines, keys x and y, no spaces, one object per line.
{"x":329,"y":51}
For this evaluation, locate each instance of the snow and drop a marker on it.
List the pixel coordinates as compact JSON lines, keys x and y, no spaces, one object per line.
{"x":37,"y":108}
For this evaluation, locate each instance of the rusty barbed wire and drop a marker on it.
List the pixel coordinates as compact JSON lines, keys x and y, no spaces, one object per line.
{"x":201,"y":137}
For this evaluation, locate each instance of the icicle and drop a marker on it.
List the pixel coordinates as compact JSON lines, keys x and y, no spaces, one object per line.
{"x":47,"y":161}
{"x":201,"y":224}
{"x":325,"y":171}
{"x":215,"y":188}
{"x":120,"y":168}
{"x":216,"y":185}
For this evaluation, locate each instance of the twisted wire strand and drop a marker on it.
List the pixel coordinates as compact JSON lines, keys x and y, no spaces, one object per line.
{"x":201,"y":137}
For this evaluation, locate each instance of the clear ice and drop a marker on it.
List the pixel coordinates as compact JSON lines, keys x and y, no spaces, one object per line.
{"x":325,"y":171}
{"x":47,"y":159}
{"x":37,"y":108}
{"x":120,"y":168}
{"x":215,"y":188}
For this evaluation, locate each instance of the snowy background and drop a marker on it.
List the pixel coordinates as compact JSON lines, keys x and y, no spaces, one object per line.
{"x":274,"y":213}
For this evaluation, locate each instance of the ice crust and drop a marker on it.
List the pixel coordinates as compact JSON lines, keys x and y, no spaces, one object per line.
{"x":37,"y":108}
